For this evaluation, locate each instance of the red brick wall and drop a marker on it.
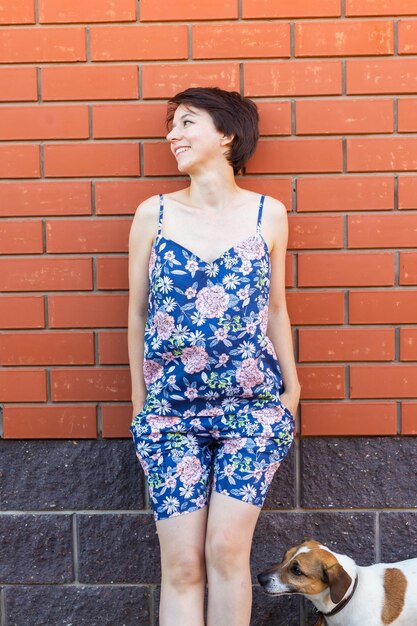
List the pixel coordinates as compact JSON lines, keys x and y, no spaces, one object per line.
{"x":83,"y":87}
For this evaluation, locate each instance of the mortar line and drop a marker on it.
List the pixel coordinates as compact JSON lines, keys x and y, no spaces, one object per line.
{"x":75,"y":559}
{"x":377,"y":539}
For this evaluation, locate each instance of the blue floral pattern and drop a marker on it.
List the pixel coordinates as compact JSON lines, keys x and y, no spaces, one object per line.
{"x":209,"y":366}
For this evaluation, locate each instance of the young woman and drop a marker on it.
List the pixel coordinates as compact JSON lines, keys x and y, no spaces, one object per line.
{"x":211,"y":353}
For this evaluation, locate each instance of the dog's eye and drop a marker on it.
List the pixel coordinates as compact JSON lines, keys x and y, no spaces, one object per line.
{"x":295,"y":569}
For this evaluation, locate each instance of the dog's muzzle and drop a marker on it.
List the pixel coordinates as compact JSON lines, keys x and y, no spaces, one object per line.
{"x":271,"y":583}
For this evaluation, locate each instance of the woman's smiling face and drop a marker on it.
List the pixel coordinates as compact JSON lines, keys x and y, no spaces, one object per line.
{"x":194,"y":139}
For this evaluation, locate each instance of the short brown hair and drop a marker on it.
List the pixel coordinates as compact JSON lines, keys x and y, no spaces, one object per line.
{"x":232,"y":114}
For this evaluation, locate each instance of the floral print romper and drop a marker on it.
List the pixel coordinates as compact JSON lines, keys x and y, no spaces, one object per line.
{"x":212,"y":418}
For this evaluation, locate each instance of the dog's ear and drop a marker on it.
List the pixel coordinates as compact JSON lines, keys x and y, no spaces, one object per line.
{"x":338,"y":580}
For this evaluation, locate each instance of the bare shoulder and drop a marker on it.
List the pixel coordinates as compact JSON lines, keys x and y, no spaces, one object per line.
{"x":145,"y":221}
{"x":275,"y":223}
{"x":275,"y":210}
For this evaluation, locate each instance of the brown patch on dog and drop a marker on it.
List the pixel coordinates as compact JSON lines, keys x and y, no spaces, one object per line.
{"x":395,"y":585}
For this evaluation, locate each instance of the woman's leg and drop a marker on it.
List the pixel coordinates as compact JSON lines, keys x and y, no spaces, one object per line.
{"x":181,"y":540}
{"x":230,"y":528}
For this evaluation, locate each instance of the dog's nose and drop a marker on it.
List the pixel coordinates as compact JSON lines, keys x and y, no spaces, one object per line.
{"x":263,"y":578}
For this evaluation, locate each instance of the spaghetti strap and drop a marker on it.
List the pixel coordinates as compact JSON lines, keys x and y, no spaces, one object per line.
{"x":261,"y":204}
{"x":161,"y":213}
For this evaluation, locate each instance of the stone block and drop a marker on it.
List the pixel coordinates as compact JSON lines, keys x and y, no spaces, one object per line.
{"x":118,"y":548}
{"x":398,"y":536}
{"x":58,"y":475}
{"x":45,"y":605}
{"x":359,"y":472}
{"x":282,"y":492}
{"x":36,"y":549}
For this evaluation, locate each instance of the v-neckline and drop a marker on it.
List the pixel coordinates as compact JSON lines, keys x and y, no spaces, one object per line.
{"x":258,"y":234}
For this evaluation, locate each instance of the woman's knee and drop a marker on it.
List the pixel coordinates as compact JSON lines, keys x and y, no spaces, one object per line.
{"x":225,"y":551}
{"x":183,"y":568}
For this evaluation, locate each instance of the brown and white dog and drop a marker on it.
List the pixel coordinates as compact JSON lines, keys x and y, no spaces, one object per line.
{"x":344,"y":593}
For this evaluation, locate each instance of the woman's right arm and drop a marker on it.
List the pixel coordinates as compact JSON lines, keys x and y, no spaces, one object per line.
{"x":142,"y":233}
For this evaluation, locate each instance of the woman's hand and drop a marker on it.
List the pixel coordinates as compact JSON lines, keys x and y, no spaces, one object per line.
{"x":290,"y":400}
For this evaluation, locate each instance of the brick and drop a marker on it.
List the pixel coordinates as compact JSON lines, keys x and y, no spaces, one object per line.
{"x":394,"y":76}
{"x":88,"y":311}
{"x":187,"y":10}
{"x":290,"y":8}
{"x":92,"y":159}
{"x":325,"y":231}
{"x":139,"y":43}
{"x":383,"y":307}
{"x":300,"y":155}
{"x":47,"y":348}
{"x":346,"y":269}
{"x":234,"y":41}
{"x":383,"y":381}
{"x":50,"y":422}
{"x":348,"y":419}
{"x":68,"y":11}
{"x":20,"y":237}
{"x":17,"y":12}
{"x":346,"y":344}
{"x":341,"y":117}
{"x":398,"y":535}
{"x":382,"y":154}
{"x":20,"y":161}
{"x":42,"y":45}
{"x":381,"y":7}
{"x":87,"y":235}
{"x":106,"y":474}
{"x":272,"y":186}
{"x":112,"y":273}
{"x":407,"y":36}
{"x":129,"y":120}
{"x":408,"y":268}
{"x":340,"y":38}
{"x":316,"y":307}
{"x":274,"y":118}
{"x":123,"y":197}
{"x":407,"y":115}
{"x":382,"y":231}
{"x":158,"y":160}
{"x":45,"y":198}
{"x":23,"y":385}
{"x":341,"y":460}
{"x":45,"y":274}
{"x":76,"y":604}
{"x":18,"y":83}
{"x":293,"y":78}
{"x":407,"y":192}
{"x":89,"y":384}
{"x":116,"y":420}
{"x":36,"y":549}
{"x":112,"y":348}
{"x":408,"y":344}
{"x":165,"y":80}
{"x":345,"y":193}
{"x":321,"y":381}
{"x":89,"y":83}
{"x":44,"y":122}
{"x":22,"y":312}
{"x":409,"y":418}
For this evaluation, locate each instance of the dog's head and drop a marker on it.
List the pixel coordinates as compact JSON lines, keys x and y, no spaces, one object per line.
{"x":308,"y":569}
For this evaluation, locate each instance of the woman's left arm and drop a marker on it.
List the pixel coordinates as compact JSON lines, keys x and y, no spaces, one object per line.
{"x":279,"y":326}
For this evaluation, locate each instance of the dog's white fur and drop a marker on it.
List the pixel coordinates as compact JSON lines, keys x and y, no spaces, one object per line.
{"x":380,"y":599}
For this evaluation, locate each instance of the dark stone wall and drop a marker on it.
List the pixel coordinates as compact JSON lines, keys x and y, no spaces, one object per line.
{"x":78,"y":544}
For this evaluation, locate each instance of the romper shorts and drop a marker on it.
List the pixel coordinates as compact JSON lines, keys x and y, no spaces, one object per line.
{"x":184,"y":459}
